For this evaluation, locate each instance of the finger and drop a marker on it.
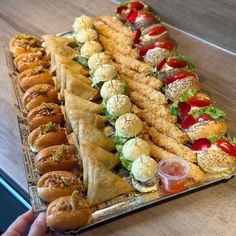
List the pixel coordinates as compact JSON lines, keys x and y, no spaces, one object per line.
{"x":38,"y":228}
{"x":19,"y":226}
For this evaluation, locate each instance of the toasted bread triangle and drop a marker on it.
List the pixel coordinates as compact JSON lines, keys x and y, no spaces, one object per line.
{"x":103,"y":185}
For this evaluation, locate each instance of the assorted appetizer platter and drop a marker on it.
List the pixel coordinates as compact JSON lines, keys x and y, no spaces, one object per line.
{"x":113,"y":119}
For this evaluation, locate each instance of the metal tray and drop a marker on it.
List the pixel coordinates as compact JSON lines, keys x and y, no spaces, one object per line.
{"x":110,"y":210}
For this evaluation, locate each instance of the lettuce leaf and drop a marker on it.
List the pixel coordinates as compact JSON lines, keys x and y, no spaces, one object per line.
{"x":124,"y":4}
{"x":154,"y":72}
{"x":118,"y":139}
{"x":174,"y":109}
{"x":126,"y":163}
{"x":214,"y":112}
{"x":190,"y":65}
{"x":109,"y":117}
{"x":187,"y":95}
{"x":82,"y":60}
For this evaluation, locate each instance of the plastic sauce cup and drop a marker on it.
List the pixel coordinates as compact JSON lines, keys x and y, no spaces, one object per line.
{"x":173,"y":173}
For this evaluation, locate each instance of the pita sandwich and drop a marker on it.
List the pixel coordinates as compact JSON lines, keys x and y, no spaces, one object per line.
{"x":103,"y":185}
{"x":88,"y":133}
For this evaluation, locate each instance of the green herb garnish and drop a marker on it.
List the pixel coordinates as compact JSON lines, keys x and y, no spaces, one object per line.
{"x":118,"y":139}
{"x":59,"y":153}
{"x":158,"y":19}
{"x":154,"y":72}
{"x":213,"y":138}
{"x":234,"y":140}
{"x":187,"y":95}
{"x":214,"y":112}
{"x":66,"y":181}
{"x":44,"y":106}
{"x":174,"y":109}
{"x":49,"y":127}
{"x":190,"y":65}
{"x":82,"y":60}
{"x":74,"y":200}
{"x":124,"y":4}
{"x":40,"y":91}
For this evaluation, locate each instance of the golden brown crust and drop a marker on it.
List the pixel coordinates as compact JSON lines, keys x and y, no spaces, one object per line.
{"x":43,"y":114}
{"x":39,"y":140}
{"x":30,"y":60}
{"x":67,"y":219}
{"x":48,"y":191}
{"x":31,"y":77}
{"x":38,"y":94}
{"x":206,"y":128}
{"x":46,"y":160}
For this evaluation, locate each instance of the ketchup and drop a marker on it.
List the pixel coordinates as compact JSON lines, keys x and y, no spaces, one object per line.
{"x":173,"y":173}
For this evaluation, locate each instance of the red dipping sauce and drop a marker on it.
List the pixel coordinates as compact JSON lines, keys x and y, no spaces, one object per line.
{"x":173,"y":173}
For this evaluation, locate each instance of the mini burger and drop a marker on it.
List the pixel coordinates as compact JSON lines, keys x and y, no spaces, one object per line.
{"x":216,"y":154}
{"x":38,"y":94}
{"x":24,"y":43}
{"x":46,"y":136}
{"x":58,"y":157}
{"x":168,"y":67}
{"x":34,"y":76}
{"x":204,"y":122}
{"x":55,"y":184}
{"x":98,"y":59}
{"x":144,"y":172}
{"x":104,"y":73}
{"x":117,"y":105}
{"x":68,"y":213}
{"x":30,"y":60}
{"x":180,"y":83}
{"x":127,"y":126}
{"x":46,"y":112}
{"x":125,"y":8}
{"x":82,"y":22}
{"x":90,"y":48}
{"x":131,"y":150}
{"x":141,"y":19}
{"x":113,"y":87}
{"x":151,"y":34}
{"x":156,"y":52}
{"x":86,"y":35}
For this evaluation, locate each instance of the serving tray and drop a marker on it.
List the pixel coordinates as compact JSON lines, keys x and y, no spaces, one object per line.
{"x":107,"y":211}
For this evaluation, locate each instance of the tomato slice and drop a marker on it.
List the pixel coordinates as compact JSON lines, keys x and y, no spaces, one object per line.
{"x":227,"y":147}
{"x":164,"y":44}
{"x":157,"y":30}
{"x":170,"y":80}
{"x":184,"y":108}
{"x":132,"y":17}
{"x":204,"y":117}
{"x":147,"y":15}
{"x":201,"y":144}
{"x":137,"y":35}
{"x":183,"y":74}
{"x":143,"y":51}
{"x":119,"y":10}
{"x":199,"y":100}
{"x":176,"y":63}
{"x":188,"y":121}
{"x":135,"y":5}
{"x":159,"y":66}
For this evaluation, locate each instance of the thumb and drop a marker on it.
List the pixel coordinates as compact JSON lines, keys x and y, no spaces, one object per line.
{"x":38,"y":228}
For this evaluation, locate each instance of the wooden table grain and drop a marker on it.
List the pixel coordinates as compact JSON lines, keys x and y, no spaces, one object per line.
{"x":208,"y":212}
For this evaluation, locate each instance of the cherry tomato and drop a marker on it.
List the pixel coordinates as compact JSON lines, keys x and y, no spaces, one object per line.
{"x":184,"y":108}
{"x":201,"y":144}
{"x":164,"y":44}
{"x":119,"y":10}
{"x":199,"y":100}
{"x":204,"y":117}
{"x":183,"y":74}
{"x":159,"y":66}
{"x":137,"y":35}
{"x":135,"y":5}
{"x":157,"y":30}
{"x":227,"y":147}
{"x":132,"y":17}
{"x":143,"y":51}
{"x":176,"y":63}
{"x":188,"y":121}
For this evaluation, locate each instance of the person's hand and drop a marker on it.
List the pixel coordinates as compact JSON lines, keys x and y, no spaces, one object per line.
{"x":38,"y":225}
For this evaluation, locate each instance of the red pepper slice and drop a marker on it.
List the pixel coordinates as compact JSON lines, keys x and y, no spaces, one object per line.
{"x":137,"y":35}
{"x":227,"y":147}
{"x":157,"y":30}
{"x":164,"y":44}
{"x":135,"y":5}
{"x":199,"y":100}
{"x":201,"y":144}
{"x":184,"y":108}
{"x":119,"y":10}
{"x":143,"y":51}
{"x":204,"y":117}
{"x":147,"y":15}
{"x":188,"y":121}
{"x":183,"y":74}
{"x":132,"y":17}
{"x":176,"y":63}
{"x":159,"y":66}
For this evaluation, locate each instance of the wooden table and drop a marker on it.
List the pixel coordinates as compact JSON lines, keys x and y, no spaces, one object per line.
{"x":208,"y":212}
